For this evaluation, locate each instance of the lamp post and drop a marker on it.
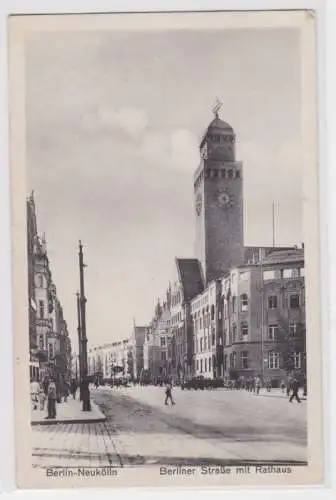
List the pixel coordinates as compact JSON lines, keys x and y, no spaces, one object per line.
{"x":82,"y":301}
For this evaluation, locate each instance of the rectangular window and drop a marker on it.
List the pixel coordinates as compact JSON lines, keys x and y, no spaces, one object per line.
{"x":244,"y":329}
{"x":272,"y":332}
{"x":244,"y":359}
{"x":293,"y":327}
{"x":41,"y":308}
{"x":41,"y":342}
{"x":294,"y":301}
{"x":269,"y":275}
{"x":205,"y":365}
{"x":209,"y":364}
{"x":201,"y":365}
{"x":197,"y":364}
{"x":244,"y":302}
{"x":163,"y":356}
{"x":40,"y":281}
{"x":297,"y":360}
{"x":51,"y":351}
{"x":287,"y":273}
{"x":205,"y":343}
{"x":163,"y":341}
{"x":233,"y":304}
{"x":201,"y":345}
{"x":272,"y":302}
{"x":225,"y":363}
{"x":273,"y":360}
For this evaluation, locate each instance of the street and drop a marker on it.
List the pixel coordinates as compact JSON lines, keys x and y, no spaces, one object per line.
{"x":204,"y":428}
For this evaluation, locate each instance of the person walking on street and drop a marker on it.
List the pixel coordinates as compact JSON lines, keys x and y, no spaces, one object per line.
{"x":52,"y":396}
{"x":289,"y":385}
{"x":66,"y":390}
{"x":258,"y":384}
{"x":268,"y":384}
{"x":169,"y":394}
{"x":283,"y":386}
{"x":34,"y":392}
{"x":42,"y":397}
{"x":73,"y":388}
{"x":295,"y":389}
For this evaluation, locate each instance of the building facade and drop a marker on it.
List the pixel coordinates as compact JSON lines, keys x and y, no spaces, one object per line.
{"x":50,"y":346}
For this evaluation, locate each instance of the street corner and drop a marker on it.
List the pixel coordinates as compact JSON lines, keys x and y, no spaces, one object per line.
{"x":69,"y":412}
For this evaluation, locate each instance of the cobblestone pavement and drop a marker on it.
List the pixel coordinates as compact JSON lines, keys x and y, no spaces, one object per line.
{"x":204,"y":427}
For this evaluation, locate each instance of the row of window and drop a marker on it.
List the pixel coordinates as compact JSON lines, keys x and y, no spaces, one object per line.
{"x":177,"y":318}
{"x":273,"y":360}
{"x":201,"y":302}
{"x":284,"y":273}
{"x":272,"y":303}
{"x":50,"y":347}
{"x":204,"y":365}
{"x":204,"y":344}
{"x":176,"y":299}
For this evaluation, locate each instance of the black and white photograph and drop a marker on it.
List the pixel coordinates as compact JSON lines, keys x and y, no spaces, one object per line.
{"x":167,"y":289}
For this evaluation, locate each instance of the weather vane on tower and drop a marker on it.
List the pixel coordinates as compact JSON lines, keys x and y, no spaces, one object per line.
{"x":216,"y":107}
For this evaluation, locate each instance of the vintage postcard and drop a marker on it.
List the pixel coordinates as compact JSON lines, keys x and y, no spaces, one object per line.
{"x":165,"y":231}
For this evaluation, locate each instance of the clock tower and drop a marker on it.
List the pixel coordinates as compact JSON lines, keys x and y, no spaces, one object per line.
{"x":218,"y":195}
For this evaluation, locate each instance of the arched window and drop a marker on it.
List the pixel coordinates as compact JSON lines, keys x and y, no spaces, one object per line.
{"x":234,"y":332}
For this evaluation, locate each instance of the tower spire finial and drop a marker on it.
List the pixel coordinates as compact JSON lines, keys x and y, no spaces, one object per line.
{"x":216,"y":107}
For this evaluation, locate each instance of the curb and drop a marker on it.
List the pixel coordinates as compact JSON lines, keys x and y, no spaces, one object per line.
{"x":68,"y":421}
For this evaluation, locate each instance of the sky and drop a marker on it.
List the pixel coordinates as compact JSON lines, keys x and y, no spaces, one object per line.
{"x":113,"y":125}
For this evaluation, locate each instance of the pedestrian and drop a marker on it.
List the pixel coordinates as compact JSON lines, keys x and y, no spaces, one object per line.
{"x":52,"y":396}
{"x":73,"y":388}
{"x":295,"y":389}
{"x":268,"y":384}
{"x":289,"y":385}
{"x":283,"y":386}
{"x":34,"y":392}
{"x":258,"y":384}
{"x":169,"y":394}
{"x":42,"y":397}
{"x":66,"y":390}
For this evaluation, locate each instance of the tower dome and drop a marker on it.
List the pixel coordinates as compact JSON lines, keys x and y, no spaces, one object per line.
{"x":219,"y":124}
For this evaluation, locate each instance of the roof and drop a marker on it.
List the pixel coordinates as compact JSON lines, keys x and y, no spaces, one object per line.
{"x":284,"y":256}
{"x":217,"y":125}
{"x":190,"y":275}
{"x":253,"y":255}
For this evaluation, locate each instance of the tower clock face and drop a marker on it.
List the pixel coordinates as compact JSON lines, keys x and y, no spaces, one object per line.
{"x":224,"y":199}
{"x":199,"y":203}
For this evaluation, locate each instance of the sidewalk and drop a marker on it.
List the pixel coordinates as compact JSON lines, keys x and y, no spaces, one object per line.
{"x":68,"y":413}
{"x":277,"y":393}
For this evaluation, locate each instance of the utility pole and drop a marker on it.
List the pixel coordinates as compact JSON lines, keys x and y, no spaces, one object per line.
{"x":273,"y":226}
{"x":82,"y":300}
{"x":79,"y":347}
